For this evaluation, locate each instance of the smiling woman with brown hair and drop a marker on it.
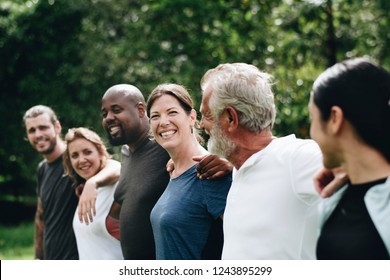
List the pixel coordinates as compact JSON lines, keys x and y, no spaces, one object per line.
{"x":188,"y":214}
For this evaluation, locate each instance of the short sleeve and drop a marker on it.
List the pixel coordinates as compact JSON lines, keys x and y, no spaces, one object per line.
{"x":216,"y":192}
{"x":305,"y":162}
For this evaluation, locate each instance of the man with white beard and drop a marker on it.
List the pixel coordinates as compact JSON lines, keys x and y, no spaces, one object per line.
{"x":271,"y":210}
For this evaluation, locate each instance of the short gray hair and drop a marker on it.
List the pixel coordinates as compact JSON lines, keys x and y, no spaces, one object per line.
{"x":244,"y":87}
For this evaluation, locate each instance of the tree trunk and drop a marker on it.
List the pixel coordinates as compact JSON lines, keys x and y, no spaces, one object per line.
{"x":330,"y":41}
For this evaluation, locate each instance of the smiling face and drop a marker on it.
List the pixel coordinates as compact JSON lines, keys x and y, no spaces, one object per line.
{"x":121,"y":118}
{"x":84,"y":158}
{"x":42,"y":133}
{"x":170,"y":123}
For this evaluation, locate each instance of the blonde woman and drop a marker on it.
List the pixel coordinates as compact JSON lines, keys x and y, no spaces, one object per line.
{"x":85,"y":156}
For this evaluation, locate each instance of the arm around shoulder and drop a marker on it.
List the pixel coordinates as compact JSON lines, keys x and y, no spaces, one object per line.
{"x":107,"y":176}
{"x":212,"y":166}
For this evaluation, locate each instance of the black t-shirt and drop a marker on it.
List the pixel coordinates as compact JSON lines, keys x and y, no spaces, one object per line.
{"x":349,"y":233}
{"x":143,"y":179}
{"x":59,"y":203}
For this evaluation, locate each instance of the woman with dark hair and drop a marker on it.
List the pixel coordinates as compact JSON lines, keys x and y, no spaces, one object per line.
{"x":350,"y":117}
{"x":84,"y":157}
{"x":186,"y":220}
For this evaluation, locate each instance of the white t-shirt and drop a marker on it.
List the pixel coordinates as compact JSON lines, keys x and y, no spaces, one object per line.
{"x":271,"y":210}
{"x":93,"y":240}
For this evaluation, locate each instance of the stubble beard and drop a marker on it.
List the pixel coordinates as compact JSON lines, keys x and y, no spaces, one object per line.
{"x":50,"y":149}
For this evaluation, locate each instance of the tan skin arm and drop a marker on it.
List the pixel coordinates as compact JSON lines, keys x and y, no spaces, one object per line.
{"x":107,"y":176}
{"x":39,"y":226}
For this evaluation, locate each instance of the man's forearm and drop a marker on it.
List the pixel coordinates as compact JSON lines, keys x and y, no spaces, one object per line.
{"x":107,"y":176}
{"x":38,"y":238}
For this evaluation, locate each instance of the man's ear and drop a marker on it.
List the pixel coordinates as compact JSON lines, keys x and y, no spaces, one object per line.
{"x":58,"y":127}
{"x":336,"y":119}
{"x":232,"y":116}
{"x":141,"y":109}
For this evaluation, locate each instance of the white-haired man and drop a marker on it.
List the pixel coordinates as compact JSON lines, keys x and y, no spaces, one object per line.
{"x":271,"y":210}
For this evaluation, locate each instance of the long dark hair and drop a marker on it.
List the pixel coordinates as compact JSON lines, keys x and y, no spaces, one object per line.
{"x":362,"y":90}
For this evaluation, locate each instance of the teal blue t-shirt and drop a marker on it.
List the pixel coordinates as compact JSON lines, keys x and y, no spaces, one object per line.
{"x":185,"y":216}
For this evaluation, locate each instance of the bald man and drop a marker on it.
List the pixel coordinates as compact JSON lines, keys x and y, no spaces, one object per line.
{"x":143,"y":174}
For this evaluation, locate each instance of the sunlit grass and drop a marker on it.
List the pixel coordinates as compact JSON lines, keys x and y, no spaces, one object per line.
{"x":17,"y":242}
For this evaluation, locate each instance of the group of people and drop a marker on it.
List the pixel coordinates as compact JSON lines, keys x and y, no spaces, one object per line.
{"x":249,"y":195}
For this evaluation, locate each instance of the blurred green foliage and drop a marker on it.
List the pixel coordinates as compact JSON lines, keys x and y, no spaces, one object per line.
{"x":66,"y":53}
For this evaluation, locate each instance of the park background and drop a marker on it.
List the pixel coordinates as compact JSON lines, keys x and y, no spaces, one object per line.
{"x":66,"y":53}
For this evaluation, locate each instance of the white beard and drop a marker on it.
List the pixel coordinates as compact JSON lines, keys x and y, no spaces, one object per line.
{"x":219,"y":143}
